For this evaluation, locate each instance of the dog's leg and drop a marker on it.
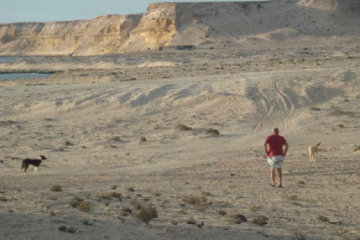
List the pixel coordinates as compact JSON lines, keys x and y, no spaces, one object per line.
{"x":37,"y":171}
{"x":310,"y":154}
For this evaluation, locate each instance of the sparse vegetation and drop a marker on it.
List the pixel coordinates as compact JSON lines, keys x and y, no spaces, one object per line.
{"x":110,"y":195}
{"x":56,"y":188}
{"x":261,"y":221}
{"x":143,"y":139}
{"x":255,"y":208}
{"x":222,"y":212}
{"x":84,"y":206}
{"x":148,"y":213}
{"x":67,"y":229}
{"x":76,"y":201}
{"x":195,"y":200}
{"x":130,"y":189}
{"x":183,"y":211}
{"x":292,"y":197}
{"x":212,"y":132}
{"x":238,"y":218}
{"x":136,"y":204}
{"x":315,"y":108}
{"x":117,"y":139}
{"x":191,"y":221}
{"x":126,"y":210}
{"x":299,"y":235}
{"x":200,"y":207}
{"x":3,"y":199}
{"x":357,"y":149}
{"x":182,"y":127}
{"x":340,"y":231}
{"x":322,"y":218}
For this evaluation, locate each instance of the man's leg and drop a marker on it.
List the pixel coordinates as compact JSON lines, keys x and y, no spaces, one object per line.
{"x":280,"y":175}
{"x":272,"y":176}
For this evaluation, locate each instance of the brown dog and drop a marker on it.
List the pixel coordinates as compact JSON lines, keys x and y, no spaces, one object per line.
{"x":313,"y":151}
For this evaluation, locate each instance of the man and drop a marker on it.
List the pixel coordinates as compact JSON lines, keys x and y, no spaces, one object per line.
{"x":275,"y":154}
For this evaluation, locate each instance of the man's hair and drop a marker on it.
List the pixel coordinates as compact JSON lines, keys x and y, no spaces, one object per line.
{"x":275,"y":130}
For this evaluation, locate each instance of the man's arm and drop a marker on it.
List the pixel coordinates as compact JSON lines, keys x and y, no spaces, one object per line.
{"x":286,"y":148}
{"x":265,"y":147}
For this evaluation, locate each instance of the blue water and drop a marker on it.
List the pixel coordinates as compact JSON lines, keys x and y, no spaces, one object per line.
{"x":8,"y":59}
{"x":4,"y":76}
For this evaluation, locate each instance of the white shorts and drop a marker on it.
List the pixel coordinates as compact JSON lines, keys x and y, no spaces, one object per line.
{"x":275,"y":162}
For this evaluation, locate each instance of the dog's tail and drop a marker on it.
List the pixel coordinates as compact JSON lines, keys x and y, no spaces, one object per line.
{"x":318,"y":144}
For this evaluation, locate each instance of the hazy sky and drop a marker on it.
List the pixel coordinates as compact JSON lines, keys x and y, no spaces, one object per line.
{"x":59,"y":10}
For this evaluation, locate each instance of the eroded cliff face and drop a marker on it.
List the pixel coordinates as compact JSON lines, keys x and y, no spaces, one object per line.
{"x":170,"y":24}
{"x":101,"y":35}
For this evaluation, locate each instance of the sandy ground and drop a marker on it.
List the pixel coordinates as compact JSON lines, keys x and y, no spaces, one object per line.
{"x":91,"y":124}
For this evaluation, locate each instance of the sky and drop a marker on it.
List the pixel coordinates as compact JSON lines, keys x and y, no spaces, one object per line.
{"x":62,"y":10}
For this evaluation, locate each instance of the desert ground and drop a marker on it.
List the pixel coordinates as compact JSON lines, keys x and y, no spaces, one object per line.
{"x":114,"y":131}
{"x":121,"y":132}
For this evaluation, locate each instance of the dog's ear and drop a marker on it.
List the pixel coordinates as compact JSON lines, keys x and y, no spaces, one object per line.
{"x":42,"y":157}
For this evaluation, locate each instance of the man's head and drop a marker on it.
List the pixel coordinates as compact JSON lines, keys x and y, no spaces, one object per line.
{"x":276,"y":130}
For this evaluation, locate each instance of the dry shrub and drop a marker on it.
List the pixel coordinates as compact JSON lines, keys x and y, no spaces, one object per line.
{"x":238,"y":218}
{"x":200,"y":207}
{"x":67,"y":229}
{"x":130,"y":189}
{"x":254,"y":208}
{"x":3,"y":199}
{"x":126,"y":210}
{"x":182,"y":127}
{"x":110,"y":195}
{"x":299,"y":235}
{"x":195,"y":200}
{"x":56,"y":188}
{"x":261,"y":221}
{"x":84,"y":206}
{"x":222,"y":212}
{"x":292,"y":197}
{"x":315,"y":108}
{"x":183,"y":211}
{"x":212,"y":132}
{"x":148,"y":213}
{"x":136,"y":204}
{"x":191,"y":221}
{"x":340,"y":231}
{"x":322,"y":218}
{"x":76,"y":201}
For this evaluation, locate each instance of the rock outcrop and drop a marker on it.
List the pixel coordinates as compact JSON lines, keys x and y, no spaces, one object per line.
{"x":170,"y":24}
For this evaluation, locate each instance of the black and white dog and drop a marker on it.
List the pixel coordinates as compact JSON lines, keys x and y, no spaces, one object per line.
{"x":33,"y":162}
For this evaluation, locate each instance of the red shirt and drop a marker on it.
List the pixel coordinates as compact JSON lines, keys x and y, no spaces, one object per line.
{"x":275,"y":143}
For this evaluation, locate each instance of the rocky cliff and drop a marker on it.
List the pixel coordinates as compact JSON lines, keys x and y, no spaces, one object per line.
{"x":168,"y":24}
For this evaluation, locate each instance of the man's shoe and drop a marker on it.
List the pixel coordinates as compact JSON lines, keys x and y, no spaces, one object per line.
{"x":280,"y":186}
